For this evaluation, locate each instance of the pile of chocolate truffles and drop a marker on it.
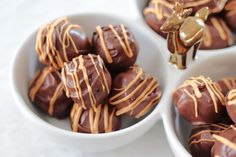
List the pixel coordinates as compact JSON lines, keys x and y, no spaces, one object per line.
{"x":96,"y":81}
{"x":210,"y":108}
{"x":219,"y":26}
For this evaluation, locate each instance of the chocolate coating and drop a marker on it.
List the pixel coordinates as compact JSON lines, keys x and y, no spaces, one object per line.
{"x":47,"y":93}
{"x":199,"y":100}
{"x":230,"y":104}
{"x":226,"y":84}
{"x":230,"y":14}
{"x":60,"y":41}
{"x":217,"y":35}
{"x":134,"y":92}
{"x":156,"y":13}
{"x":116,"y":45}
{"x":88,"y":121}
{"x":201,"y":140}
{"x":225,"y":143}
{"x":215,"y":6}
{"x":86,"y":80}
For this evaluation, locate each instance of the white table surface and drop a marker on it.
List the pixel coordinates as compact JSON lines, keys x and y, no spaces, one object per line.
{"x":18,"y":137}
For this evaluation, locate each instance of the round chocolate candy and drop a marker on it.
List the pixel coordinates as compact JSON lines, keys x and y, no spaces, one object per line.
{"x":201,"y":140}
{"x":116,"y":45}
{"x":61,"y":41}
{"x":199,"y":100}
{"x":134,"y":92}
{"x":86,"y":80}
{"x":47,"y":93}
{"x":87,"y":121}
{"x":156,"y":13}
{"x":230,"y":104}
{"x":225,"y":143}
{"x":230,"y":14}
{"x":217,"y":34}
{"x":226,"y":84}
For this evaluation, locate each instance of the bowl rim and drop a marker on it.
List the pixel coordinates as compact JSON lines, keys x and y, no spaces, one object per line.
{"x":155,"y":113}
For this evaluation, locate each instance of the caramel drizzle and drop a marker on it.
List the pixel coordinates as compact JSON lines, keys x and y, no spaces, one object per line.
{"x":222,"y":30}
{"x":76,"y":79}
{"x":230,"y":7}
{"x":64,"y":37}
{"x":158,"y":9}
{"x":38,"y":84}
{"x":211,"y":88}
{"x":53,"y":99}
{"x":125,"y":45}
{"x":94,"y":118}
{"x":153,"y":84}
{"x":221,"y":126}
{"x":232,"y":97}
{"x":225,"y":141}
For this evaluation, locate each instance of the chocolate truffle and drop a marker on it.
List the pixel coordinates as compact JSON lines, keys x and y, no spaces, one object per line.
{"x":225,"y":143}
{"x":87,"y":121}
{"x":231,"y":104}
{"x":215,"y":6}
{"x":135,"y":93}
{"x":230,"y":14}
{"x":61,"y":41}
{"x":226,"y":84}
{"x":116,"y":45}
{"x":217,"y":34}
{"x":47,"y":93}
{"x":199,"y":100}
{"x":156,"y":13}
{"x":201,"y":140}
{"x":86,"y":80}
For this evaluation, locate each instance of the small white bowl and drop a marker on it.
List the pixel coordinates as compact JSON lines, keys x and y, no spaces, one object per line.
{"x":25,"y":64}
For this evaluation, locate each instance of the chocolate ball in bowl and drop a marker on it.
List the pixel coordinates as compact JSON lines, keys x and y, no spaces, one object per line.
{"x":230,"y":14}
{"x":230,"y":104}
{"x":201,"y":141}
{"x":60,"y":41}
{"x":156,"y":13}
{"x":86,"y":80}
{"x":217,"y":35}
{"x":135,"y":92}
{"x":116,"y":45}
{"x":225,"y":143}
{"x":46,"y":92}
{"x":199,"y":100}
{"x":226,"y":84}
{"x":88,"y":121}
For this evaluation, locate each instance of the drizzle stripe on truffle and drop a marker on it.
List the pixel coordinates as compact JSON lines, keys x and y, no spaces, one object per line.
{"x":94,"y":118}
{"x":210,"y":86}
{"x":124,"y":44}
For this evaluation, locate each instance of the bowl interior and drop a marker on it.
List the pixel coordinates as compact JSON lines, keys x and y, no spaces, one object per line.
{"x":26,"y":62}
{"x":217,"y":67}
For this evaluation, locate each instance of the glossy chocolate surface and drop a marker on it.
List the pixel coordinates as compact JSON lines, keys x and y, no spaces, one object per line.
{"x":47,"y":93}
{"x":87,"y":121}
{"x":225,"y":143}
{"x":61,"y":41}
{"x":86,"y":80}
{"x":134,"y":92}
{"x":199,"y":100}
{"x":116,"y":45}
{"x":201,"y":140}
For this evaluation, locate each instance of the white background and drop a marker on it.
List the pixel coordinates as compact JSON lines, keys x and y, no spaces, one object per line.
{"x":18,"y":137}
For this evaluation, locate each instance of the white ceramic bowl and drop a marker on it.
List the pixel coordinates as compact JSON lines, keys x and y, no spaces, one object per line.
{"x":25,"y":64}
{"x":153,"y":58}
{"x":213,"y":63}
